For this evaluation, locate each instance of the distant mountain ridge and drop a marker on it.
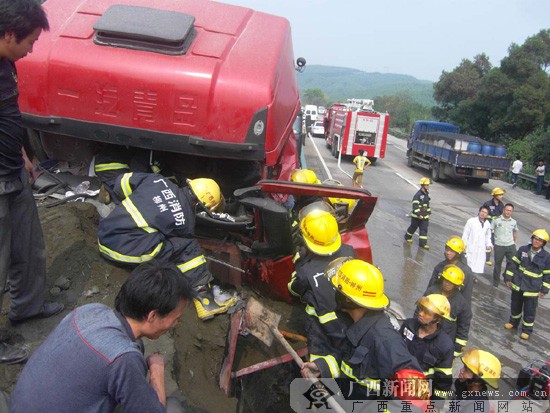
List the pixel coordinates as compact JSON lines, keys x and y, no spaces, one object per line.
{"x":340,"y":83}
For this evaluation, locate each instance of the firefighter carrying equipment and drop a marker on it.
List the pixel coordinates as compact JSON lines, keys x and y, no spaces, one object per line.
{"x":425,"y":181}
{"x":304,"y":176}
{"x":542,"y":234}
{"x":206,"y":304}
{"x":497,"y":191}
{"x":320,"y":232}
{"x":456,"y":244}
{"x":362,"y":283}
{"x":453,"y":274}
{"x":484,"y":365}
{"x":437,"y":304}
{"x":208,"y":193}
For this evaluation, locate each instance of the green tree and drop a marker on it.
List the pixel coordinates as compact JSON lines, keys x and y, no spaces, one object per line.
{"x":460,"y":84}
{"x":402,"y":108}
{"x":314,"y":97}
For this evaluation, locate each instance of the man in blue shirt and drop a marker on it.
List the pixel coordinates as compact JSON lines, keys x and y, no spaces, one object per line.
{"x":93,"y":361}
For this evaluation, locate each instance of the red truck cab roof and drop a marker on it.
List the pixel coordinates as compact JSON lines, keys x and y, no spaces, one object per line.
{"x":231,"y":92}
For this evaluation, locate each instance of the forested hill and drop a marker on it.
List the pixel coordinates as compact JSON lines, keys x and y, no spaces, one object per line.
{"x":340,"y":83}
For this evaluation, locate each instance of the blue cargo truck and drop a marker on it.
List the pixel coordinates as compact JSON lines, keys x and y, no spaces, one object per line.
{"x":440,"y":148}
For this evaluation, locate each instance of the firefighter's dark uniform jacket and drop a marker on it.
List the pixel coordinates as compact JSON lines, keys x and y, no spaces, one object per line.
{"x":312,"y":286}
{"x":529,"y":275}
{"x":494,"y":209}
{"x":373,"y":350}
{"x":458,"y":327}
{"x":434,"y":353}
{"x":154,"y":220}
{"x":421,"y":205}
{"x":468,"y":287}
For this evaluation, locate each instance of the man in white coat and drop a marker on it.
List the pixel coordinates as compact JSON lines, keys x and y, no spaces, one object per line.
{"x":477,"y":237}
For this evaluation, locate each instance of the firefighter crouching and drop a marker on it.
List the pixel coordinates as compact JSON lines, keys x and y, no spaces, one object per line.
{"x":323,"y":244}
{"x":420,"y":215}
{"x":156,"y":219}
{"x":372,"y":349}
{"x":431,"y":346}
{"x":457,"y":326}
{"x":528,"y":276}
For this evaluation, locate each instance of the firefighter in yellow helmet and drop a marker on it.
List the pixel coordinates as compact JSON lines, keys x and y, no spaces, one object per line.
{"x":420,"y":215}
{"x":457,"y":326}
{"x":431,"y":346}
{"x":480,"y":368}
{"x":372,"y":350}
{"x":454,"y":254}
{"x":296,"y":202}
{"x":496,"y":208}
{"x":208,"y":193}
{"x":304,"y":176}
{"x":528,"y":276}
{"x":156,"y":220}
{"x":310,"y":283}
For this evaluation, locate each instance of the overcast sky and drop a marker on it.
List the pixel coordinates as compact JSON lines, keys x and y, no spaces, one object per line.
{"x":414,"y":37}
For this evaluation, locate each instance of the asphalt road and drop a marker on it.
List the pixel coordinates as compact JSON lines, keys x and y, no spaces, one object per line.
{"x":407,"y":268}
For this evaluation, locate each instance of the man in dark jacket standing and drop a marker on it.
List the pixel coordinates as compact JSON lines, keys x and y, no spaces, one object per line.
{"x":22,"y":255}
{"x":420,"y":215}
{"x":528,"y":276}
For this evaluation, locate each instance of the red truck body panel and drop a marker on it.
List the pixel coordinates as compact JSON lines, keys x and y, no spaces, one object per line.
{"x":203,"y":102}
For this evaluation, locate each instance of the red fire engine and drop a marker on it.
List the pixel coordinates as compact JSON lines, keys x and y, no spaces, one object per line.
{"x":354,"y":125}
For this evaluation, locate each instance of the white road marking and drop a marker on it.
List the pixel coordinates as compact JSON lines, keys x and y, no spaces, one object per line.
{"x":329,"y":175}
{"x":407,"y":180}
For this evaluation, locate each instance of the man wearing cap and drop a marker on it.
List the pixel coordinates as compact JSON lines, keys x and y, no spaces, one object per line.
{"x":156,"y":219}
{"x":528,"y":276}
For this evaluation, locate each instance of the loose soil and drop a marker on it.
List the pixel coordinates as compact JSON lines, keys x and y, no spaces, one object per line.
{"x":195,"y":349}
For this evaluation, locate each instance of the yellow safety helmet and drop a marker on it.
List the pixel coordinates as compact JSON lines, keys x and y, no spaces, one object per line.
{"x":304,"y":176}
{"x":320,"y":232}
{"x":456,"y":244}
{"x":335,"y":201}
{"x":484,"y":365}
{"x":315,"y":206}
{"x":207,"y":192}
{"x":362,"y":283}
{"x":334,"y":266}
{"x":436,"y":303}
{"x":453,"y":274}
{"x":497,"y":191}
{"x":542,"y":234}
{"x":425,"y":181}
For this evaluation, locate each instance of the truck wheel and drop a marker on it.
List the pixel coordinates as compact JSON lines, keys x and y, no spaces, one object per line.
{"x":410,"y":162}
{"x":335,"y":146}
{"x":474,"y":182}
{"x":435,"y":172}
{"x":373,"y":161}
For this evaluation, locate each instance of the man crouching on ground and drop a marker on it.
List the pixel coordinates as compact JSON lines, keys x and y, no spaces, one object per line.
{"x":93,"y":361}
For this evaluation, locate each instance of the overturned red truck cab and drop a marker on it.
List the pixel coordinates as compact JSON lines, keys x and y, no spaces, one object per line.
{"x":197,"y":78}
